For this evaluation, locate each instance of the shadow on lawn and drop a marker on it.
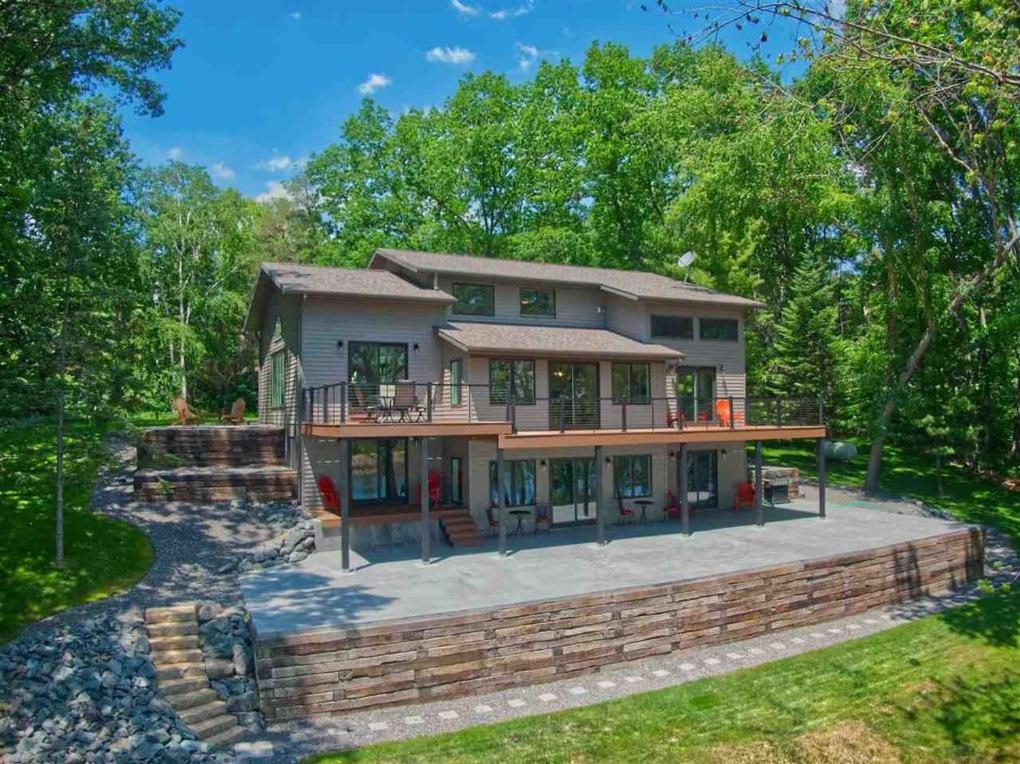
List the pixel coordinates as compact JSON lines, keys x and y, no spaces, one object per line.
{"x":982,"y":718}
{"x":995,"y":619}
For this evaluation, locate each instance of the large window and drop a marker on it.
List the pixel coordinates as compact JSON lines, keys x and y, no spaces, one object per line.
{"x":456,"y":378}
{"x":511,"y":377}
{"x":474,"y":300}
{"x":377,"y":363}
{"x":277,"y":370}
{"x":695,"y":392}
{"x":718,"y":329}
{"x":632,"y":383}
{"x":632,"y":476}
{"x":518,"y":483}
{"x":538,"y":302}
{"x":673,"y":327}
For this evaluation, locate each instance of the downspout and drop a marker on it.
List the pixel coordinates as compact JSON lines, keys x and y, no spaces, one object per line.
{"x":298,"y":449}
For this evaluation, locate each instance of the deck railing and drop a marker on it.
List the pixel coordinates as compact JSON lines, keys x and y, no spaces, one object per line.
{"x":434,"y":402}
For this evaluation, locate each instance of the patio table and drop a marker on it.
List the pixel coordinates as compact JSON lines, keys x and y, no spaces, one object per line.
{"x":520,"y":514}
{"x":644,"y":504}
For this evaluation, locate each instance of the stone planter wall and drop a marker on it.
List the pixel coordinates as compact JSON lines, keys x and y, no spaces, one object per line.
{"x":444,"y":656}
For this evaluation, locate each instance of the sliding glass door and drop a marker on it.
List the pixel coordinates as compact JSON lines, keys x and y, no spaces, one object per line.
{"x":695,"y":391}
{"x":703,"y":479}
{"x":379,"y":469}
{"x":572,"y":490}
{"x":573,"y":396}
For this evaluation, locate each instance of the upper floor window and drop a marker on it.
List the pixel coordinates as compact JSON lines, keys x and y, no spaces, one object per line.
{"x":377,"y":363}
{"x":277,"y":365}
{"x":631,"y":383}
{"x":518,"y":377}
{"x":673,"y":327}
{"x":538,"y":302}
{"x":474,"y":300}
{"x":718,"y":329}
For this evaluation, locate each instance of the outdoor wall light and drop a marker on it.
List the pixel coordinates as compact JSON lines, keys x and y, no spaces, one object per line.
{"x":417,"y":348}
{"x":608,"y":460}
{"x":339,"y":344}
{"x":542,"y":463}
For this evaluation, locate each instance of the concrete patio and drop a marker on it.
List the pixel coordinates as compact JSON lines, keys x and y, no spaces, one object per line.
{"x":393,"y":585}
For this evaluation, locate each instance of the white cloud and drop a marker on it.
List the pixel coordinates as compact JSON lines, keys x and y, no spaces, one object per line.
{"x":220,"y":171}
{"x":527,"y":55}
{"x":507,"y":13}
{"x":274,"y":190}
{"x":464,"y":9}
{"x":281,"y":162}
{"x":837,"y":8}
{"x":454,"y":55}
{"x":175,"y":152}
{"x":373,"y":83}
{"x":296,"y":15}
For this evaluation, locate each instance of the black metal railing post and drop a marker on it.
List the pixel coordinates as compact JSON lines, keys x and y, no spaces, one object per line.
{"x":428,"y":401}
{"x":563,"y":414}
{"x":821,"y":410}
{"x":624,"y":415}
{"x":733,"y":415}
{"x":311,"y":404}
{"x":779,"y":412}
{"x":343,"y":402}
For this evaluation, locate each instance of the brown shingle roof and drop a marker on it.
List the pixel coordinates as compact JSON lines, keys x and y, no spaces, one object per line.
{"x":550,"y":340}
{"x":314,"y":279}
{"x":636,"y":285}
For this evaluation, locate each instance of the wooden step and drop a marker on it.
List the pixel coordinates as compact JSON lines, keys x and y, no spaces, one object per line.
{"x":167,"y":658}
{"x":461,"y":530}
{"x":174,"y":642}
{"x":185,"y":685}
{"x":186,"y":700}
{"x":174,"y":613}
{"x":225,"y":738}
{"x":172,"y":628}
{"x":209,"y":727}
{"x":180,"y":671}
{"x":200,"y":713}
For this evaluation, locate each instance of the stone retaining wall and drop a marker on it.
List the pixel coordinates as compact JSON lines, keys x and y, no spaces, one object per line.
{"x":440,"y":657}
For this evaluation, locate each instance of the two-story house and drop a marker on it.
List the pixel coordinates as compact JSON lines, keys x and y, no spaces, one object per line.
{"x":419,"y":385}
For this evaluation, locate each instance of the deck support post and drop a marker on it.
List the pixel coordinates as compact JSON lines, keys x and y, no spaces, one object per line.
{"x":345,"y":505}
{"x":426,"y":524}
{"x":820,"y":456}
{"x":501,"y":501}
{"x":681,"y":488}
{"x":759,"y":512}
{"x":600,"y":515}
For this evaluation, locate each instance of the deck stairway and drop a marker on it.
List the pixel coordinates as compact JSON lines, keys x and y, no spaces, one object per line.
{"x":209,"y":464}
{"x":181,"y":677}
{"x":460,"y":529}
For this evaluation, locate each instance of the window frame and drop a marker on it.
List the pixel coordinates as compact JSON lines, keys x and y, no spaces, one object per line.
{"x":277,"y":378}
{"x":617,"y":461}
{"x":520,"y":302}
{"x":719,"y":322}
{"x":630,"y":399}
{"x":351,"y":345}
{"x":492,"y":298}
{"x":530,"y":401}
{"x":511,"y":467}
{"x":456,"y":381}
{"x":682,"y":336}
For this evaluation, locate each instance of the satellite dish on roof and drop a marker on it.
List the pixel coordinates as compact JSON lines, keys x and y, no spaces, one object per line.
{"x":684,"y":261}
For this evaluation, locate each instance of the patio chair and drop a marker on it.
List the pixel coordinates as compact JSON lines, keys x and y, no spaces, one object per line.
{"x":184,"y":415}
{"x":435,"y":483}
{"x":723,"y":413}
{"x":328,"y":494}
{"x":543,"y":517}
{"x":625,"y":512}
{"x":405,"y":401}
{"x":672,"y":508}
{"x":236,"y":413}
{"x":745,"y":496}
{"x":370,"y":411}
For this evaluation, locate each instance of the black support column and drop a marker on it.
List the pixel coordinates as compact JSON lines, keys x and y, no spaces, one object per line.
{"x":600,"y":515}
{"x":345,"y":504}
{"x":759,"y":512}
{"x":426,"y":524}
{"x":681,"y":488}
{"x":501,"y":501}
{"x":820,"y":456}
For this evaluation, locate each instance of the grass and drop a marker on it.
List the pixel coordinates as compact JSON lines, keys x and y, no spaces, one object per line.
{"x":103,"y":556}
{"x":912,"y":475}
{"x":944,"y":687}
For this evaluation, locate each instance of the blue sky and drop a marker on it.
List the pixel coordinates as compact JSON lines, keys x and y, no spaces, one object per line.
{"x":259,"y":85}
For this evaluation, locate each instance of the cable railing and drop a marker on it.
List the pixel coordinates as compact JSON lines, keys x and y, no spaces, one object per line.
{"x":412,"y":402}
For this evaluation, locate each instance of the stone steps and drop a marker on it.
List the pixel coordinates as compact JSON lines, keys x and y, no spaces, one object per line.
{"x":180,"y":672}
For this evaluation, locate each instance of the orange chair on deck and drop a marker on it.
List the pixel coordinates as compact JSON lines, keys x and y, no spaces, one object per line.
{"x":745,"y":496}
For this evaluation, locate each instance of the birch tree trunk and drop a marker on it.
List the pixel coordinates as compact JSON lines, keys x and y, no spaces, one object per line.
{"x":58,"y":556}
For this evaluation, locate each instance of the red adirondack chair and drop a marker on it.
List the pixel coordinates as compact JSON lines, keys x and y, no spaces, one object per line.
{"x":327,"y":491}
{"x":745,"y":496}
{"x":672,"y":508}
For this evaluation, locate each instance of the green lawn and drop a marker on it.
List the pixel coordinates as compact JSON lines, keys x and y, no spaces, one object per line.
{"x":102,"y":556}
{"x":908,"y":474}
{"x":945,"y":687}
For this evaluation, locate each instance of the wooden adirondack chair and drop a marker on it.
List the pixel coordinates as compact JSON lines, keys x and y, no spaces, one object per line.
{"x":184,"y":415}
{"x":236,"y":414}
